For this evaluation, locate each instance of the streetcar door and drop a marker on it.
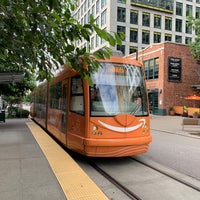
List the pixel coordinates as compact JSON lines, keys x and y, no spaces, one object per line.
{"x":64,"y":106}
{"x":153,"y":101}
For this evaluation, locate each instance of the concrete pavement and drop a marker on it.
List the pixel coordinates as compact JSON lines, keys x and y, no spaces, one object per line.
{"x":24,"y":171}
{"x":173,"y":124}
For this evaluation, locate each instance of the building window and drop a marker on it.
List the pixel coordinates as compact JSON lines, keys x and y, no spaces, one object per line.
{"x":197,"y":12}
{"x":88,"y":16}
{"x":188,"y":28}
{"x":103,"y":3}
{"x":121,"y":1}
{"x":121,"y":48}
{"x":151,"y":68}
{"x":97,"y":41}
{"x":145,"y":37}
{"x":132,"y":49}
{"x":121,"y":14}
{"x":145,"y":19}
{"x":157,"y":21}
{"x":178,"y":39}
{"x":188,"y":10}
{"x":121,"y":29}
{"x":84,"y":7}
{"x":188,"y":40}
{"x":97,"y":7}
{"x":93,"y":10}
{"x":178,"y":25}
{"x":157,"y":37}
{"x":103,"y":18}
{"x":134,"y":17}
{"x":198,"y":1}
{"x":85,"y":19}
{"x":88,"y":4}
{"x":168,"y":37}
{"x":133,"y":35}
{"x":179,"y":8}
{"x":168,"y":23}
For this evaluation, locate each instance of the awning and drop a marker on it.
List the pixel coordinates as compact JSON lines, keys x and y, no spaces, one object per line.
{"x":193,"y":98}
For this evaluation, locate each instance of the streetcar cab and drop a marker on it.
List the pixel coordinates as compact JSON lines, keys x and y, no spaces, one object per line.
{"x":119,"y":114}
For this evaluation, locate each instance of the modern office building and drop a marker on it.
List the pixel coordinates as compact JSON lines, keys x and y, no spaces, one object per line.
{"x":143,"y":22}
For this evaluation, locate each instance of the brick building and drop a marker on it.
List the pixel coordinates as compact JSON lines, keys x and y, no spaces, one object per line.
{"x":171,"y":74}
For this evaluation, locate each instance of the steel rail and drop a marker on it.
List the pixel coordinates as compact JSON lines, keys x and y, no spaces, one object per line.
{"x":168,"y":175}
{"x":121,"y":187}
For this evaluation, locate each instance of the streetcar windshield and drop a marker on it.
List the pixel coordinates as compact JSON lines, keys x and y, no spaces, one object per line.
{"x":118,"y":89}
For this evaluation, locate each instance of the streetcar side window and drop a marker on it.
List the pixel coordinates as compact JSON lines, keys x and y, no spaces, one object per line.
{"x":55,"y":95}
{"x":77,"y":100}
{"x":40,"y":102}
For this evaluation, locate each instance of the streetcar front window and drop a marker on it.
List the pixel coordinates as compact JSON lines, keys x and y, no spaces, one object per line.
{"x":118,"y":89}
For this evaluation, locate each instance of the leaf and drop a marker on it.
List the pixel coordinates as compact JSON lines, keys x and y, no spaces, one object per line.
{"x":69,"y":48}
{"x":86,"y":34}
{"x":98,"y":55}
{"x":111,"y":39}
{"x":118,"y":39}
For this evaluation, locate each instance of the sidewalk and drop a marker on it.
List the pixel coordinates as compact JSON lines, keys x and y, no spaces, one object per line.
{"x":24,"y":170}
{"x":173,"y":124}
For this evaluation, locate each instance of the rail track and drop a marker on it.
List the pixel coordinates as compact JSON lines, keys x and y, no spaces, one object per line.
{"x":185,"y":189}
{"x":115,"y":182}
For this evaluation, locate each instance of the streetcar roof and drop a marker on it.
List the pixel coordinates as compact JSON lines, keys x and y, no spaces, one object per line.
{"x":122,"y":60}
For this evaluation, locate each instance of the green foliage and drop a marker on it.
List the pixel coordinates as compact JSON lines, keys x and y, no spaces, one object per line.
{"x":196,"y":112}
{"x":195,"y":46}
{"x":39,"y":36}
{"x":16,"y":112}
{"x":14,"y":92}
{"x":185,"y":108}
{"x":171,"y":108}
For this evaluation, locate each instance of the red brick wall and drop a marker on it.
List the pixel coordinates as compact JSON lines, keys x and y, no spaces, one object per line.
{"x":173,"y":93}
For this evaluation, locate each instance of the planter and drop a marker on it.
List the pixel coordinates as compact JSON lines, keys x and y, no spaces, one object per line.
{"x":171,"y":112}
{"x":195,"y":115}
{"x":185,"y":114}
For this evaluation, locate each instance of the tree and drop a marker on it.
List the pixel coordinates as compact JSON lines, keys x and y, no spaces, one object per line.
{"x":195,"y":46}
{"x":38,"y":36}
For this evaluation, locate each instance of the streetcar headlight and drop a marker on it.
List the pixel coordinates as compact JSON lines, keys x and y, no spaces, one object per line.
{"x":94,"y":130}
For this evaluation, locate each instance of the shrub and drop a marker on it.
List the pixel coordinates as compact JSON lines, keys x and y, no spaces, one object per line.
{"x":17,"y":112}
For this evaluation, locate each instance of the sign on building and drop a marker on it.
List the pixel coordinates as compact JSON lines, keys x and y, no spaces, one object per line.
{"x":174,"y":69}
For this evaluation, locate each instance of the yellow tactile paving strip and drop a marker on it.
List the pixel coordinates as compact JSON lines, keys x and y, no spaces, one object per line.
{"x":74,"y":181}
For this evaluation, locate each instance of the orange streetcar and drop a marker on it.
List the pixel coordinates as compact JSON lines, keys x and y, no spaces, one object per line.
{"x":108,"y":119}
